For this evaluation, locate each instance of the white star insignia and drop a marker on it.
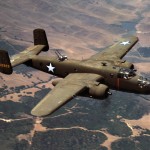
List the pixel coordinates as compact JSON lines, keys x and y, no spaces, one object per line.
{"x":51,"y":68}
{"x":125,"y":43}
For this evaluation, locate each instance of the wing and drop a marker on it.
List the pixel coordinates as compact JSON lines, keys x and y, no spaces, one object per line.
{"x":26,"y":55}
{"x":117,"y":51}
{"x":65,"y":90}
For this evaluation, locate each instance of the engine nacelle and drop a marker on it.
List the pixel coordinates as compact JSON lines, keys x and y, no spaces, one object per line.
{"x":99,"y":91}
{"x":125,"y":64}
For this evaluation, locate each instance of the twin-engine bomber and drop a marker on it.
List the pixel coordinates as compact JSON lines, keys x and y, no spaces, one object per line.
{"x":93,"y":76}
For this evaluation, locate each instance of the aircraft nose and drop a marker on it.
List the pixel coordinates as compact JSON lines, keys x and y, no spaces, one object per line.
{"x":147,"y":88}
{"x":144,"y":85}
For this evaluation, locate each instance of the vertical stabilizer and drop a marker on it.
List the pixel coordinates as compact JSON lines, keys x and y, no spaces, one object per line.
{"x":5,"y":64}
{"x":40,"y":38}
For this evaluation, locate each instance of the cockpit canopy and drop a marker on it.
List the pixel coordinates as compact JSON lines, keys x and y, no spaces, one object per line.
{"x":126,"y":73}
{"x":143,"y":82}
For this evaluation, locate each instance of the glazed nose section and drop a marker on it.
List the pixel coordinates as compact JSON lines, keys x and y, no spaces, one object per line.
{"x":144,"y":85}
{"x":147,"y":87}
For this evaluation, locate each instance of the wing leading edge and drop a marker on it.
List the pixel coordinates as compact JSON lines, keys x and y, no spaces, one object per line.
{"x":116,"y":51}
{"x":65,"y":90}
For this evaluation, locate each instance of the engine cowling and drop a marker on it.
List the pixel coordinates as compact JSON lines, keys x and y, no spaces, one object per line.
{"x":99,"y":91}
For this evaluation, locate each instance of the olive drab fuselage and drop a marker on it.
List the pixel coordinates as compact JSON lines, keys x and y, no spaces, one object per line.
{"x":110,"y":72}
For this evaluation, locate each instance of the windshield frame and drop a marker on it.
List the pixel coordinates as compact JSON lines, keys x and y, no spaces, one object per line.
{"x":126,"y":73}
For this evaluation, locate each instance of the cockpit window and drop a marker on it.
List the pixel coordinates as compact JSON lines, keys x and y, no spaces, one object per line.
{"x":126,"y":73}
{"x":143,"y":82}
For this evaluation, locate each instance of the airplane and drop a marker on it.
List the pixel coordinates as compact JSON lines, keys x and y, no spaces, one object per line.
{"x":91,"y":77}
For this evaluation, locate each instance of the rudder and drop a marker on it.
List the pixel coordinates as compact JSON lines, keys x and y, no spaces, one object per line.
{"x":40,"y":38}
{"x":5,"y":64}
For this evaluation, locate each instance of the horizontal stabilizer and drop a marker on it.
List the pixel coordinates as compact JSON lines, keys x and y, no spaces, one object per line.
{"x":5,"y":65}
{"x":40,"y":38}
{"x":40,"y":44}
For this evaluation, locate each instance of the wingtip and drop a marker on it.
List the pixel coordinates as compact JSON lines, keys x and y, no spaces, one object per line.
{"x":39,"y":112}
{"x":35,"y":114}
